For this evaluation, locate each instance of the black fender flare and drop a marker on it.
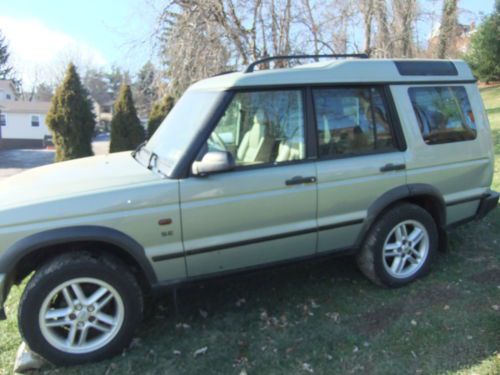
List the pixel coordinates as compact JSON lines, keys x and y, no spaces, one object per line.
{"x":10,"y":259}
{"x":401,"y":193}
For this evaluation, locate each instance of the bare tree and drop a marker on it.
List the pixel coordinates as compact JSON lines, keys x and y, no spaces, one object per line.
{"x":384,"y":42}
{"x":194,"y":47}
{"x":366,"y":8}
{"x":447,"y":31}
{"x":405,"y":12}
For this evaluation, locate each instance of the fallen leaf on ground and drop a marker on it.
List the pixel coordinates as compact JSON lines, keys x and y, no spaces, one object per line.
{"x":200,"y":351}
{"x":307,"y":367}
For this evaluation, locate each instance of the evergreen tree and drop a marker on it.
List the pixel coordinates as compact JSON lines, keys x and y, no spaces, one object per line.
{"x":158,"y":113}
{"x":6,"y":69}
{"x":126,"y":129}
{"x":144,"y":89}
{"x":71,"y":118}
{"x":484,"y":56}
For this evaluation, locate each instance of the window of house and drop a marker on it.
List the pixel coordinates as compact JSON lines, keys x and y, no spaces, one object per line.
{"x":3,"y":120}
{"x":262,"y":127}
{"x":444,"y":114}
{"x":35,"y":120}
{"x":352,"y":121}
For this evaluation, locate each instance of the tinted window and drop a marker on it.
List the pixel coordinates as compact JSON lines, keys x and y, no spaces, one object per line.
{"x":262,"y":127}
{"x":352,"y":121}
{"x":3,"y":120}
{"x":444,"y":114}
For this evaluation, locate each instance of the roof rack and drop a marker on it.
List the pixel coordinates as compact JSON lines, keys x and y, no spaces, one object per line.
{"x":251,"y":67}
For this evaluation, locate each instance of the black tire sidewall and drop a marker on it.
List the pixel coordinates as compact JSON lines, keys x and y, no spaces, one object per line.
{"x":31,"y":303}
{"x":387,"y":223}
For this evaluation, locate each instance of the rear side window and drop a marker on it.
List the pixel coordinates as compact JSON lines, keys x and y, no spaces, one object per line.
{"x":444,"y":114}
{"x":352,"y":121}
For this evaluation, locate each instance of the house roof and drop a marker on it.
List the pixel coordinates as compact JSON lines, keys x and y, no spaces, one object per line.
{"x":17,"y":106}
{"x":334,"y":71}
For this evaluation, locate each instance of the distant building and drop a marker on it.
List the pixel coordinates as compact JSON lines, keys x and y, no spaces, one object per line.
{"x":103,"y":114}
{"x":22,"y":123}
{"x":462,"y":37}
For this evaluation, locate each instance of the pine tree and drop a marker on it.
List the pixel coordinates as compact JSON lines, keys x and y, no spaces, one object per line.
{"x":144,"y":89}
{"x":158,"y":113}
{"x":126,"y":129}
{"x":71,"y":118}
{"x":484,"y":55}
{"x":6,"y":69}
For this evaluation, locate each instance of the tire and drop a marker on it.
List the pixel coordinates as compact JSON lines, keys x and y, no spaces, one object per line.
{"x":50,"y":313}
{"x":391,"y":259}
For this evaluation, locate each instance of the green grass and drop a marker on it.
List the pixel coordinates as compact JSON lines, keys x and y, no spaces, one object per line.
{"x":326,"y":315}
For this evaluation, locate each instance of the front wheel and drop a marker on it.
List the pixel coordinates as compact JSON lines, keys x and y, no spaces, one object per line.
{"x":77,"y":309}
{"x":400,"y":246}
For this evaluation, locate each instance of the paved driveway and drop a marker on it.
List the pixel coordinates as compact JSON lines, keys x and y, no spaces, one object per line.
{"x":15,"y":161}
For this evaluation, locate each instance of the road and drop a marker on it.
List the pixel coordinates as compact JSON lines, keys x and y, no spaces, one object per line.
{"x":15,"y":161}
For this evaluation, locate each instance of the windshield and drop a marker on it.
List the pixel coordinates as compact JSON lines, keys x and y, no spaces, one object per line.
{"x":180,"y":127}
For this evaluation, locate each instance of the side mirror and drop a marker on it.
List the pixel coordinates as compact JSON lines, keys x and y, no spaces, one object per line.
{"x":213,"y":161}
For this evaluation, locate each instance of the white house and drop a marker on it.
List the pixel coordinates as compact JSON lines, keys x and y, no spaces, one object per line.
{"x":22,"y":123}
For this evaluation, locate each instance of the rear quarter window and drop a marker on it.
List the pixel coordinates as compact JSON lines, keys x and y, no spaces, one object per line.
{"x":444,"y":114}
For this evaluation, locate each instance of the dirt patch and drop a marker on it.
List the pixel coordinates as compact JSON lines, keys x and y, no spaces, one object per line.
{"x":375,"y":322}
{"x":491,"y":277}
{"x":438,"y":294}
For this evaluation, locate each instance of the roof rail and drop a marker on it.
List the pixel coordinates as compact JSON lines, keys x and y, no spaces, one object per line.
{"x":251,"y":67}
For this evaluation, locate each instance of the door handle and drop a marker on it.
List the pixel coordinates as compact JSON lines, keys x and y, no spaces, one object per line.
{"x":392,"y":167}
{"x":299,"y":180}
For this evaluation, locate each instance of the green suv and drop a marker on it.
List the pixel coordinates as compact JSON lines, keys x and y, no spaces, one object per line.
{"x":374,"y":158}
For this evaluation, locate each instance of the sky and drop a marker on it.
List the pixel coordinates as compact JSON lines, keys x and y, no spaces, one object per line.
{"x":44,"y":35}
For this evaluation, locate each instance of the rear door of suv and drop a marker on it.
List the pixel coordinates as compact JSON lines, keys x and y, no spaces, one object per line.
{"x":449,"y":144}
{"x":360,"y":157}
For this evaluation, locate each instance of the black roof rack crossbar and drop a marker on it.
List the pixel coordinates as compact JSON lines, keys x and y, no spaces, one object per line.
{"x":251,"y":67}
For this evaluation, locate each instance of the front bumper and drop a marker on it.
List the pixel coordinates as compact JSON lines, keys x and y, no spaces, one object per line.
{"x":488,"y":203}
{"x":2,"y":296}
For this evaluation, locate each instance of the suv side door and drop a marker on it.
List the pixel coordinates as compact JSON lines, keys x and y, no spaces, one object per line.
{"x":264,"y":210}
{"x":359,"y":159}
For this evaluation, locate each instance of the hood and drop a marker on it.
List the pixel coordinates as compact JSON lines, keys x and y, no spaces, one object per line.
{"x":71,"y":178}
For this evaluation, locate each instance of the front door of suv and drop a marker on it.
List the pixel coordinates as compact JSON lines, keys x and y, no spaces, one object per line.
{"x":359,"y":159}
{"x":264,"y":210}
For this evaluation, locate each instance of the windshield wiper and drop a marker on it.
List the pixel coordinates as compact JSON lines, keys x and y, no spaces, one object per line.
{"x":152,"y":157}
{"x":139,"y":148}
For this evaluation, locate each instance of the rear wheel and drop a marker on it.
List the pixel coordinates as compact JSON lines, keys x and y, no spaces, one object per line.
{"x":77,"y":308}
{"x":400,"y":246}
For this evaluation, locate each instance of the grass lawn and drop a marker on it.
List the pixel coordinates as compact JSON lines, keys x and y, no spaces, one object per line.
{"x":325,"y":317}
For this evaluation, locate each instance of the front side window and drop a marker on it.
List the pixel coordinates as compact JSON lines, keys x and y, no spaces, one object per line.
{"x":3,"y":120}
{"x":351,"y":121}
{"x":261,"y":127}
{"x":35,"y":121}
{"x":444,"y":114}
